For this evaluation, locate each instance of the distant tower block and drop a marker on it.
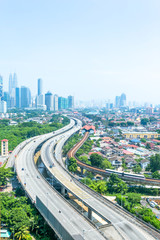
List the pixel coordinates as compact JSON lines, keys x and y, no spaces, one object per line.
{"x":4,"y":147}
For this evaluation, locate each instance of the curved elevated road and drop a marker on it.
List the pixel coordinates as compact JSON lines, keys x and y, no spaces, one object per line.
{"x":64,"y":219}
{"x":126,"y":226}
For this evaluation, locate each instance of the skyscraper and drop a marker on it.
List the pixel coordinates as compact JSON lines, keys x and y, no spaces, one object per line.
{"x":39,"y":86}
{"x":7,"y":99}
{"x":10,"y":84}
{"x":55,"y":102}
{"x":117,"y":101}
{"x":49,"y":101}
{"x":1,"y":87}
{"x":123,"y":100}
{"x":14,"y":81}
{"x":12,"y":89}
{"x":18,"y":97}
{"x":70,"y":102}
{"x":25,"y":97}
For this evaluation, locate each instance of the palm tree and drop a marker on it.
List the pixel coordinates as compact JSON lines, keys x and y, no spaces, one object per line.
{"x":22,"y":234}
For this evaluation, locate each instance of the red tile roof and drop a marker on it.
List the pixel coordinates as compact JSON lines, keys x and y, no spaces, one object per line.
{"x":4,"y":140}
{"x":88,"y":127}
{"x":90,"y":153}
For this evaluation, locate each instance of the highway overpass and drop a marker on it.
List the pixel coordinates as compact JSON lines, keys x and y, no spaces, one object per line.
{"x":66,"y":221}
{"x":125,"y":224}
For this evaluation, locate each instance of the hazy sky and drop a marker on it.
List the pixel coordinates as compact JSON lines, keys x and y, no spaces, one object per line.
{"x":93,"y":49}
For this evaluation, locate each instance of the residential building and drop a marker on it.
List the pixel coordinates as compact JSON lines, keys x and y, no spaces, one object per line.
{"x":144,"y":163}
{"x":4,"y":147}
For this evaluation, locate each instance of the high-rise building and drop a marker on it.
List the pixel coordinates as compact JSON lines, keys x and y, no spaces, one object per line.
{"x":39,"y":86}
{"x":1,"y":87}
{"x":25,"y":97}
{"x":14,"y":81}
{"x":3,"y":106}
{"x":65,"y":103}
{"x":117,"y":102}
{"x":12,"y":89}
{"x":6,"y":98}
{"x":49,"y":101}
{"x":4,"y":147}
{"x":60,"y":103}
{"x":70,"y":102}
{"x":10,"y":84}
{"x":55,"y":102}
{"x":18,"y":97}
{"x":123,"y":100}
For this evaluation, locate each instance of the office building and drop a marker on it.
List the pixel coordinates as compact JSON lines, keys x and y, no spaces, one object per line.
{"x":14,"y":81}
{"x":49,"y":101}
{"x":1,"y":87}
{"x":18,"y":97}
{"x":6,"y":98}
{"x":4,"y":147}
{"x":70,"y":102}
{"x":40,"y":102}
{"x":117,"y":101}
{"x":25,"y":97}
{"x":12,"y":89}
{"x":10,"y":84}
{"x":55,"y":102}
{"x":39,"y":86}
{"x":3,"y":106}
{"x":123,"y":100}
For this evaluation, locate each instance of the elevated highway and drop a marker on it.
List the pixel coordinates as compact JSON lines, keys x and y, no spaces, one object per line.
{"x":127,"y":227}
{"x":61,"y":216}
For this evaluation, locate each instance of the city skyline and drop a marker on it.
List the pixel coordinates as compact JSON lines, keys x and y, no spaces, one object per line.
{"x":90,"y":49}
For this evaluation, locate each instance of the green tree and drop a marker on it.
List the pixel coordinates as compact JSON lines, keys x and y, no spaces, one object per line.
{"x":5,"y":174}
{"x":148,"y":146}
{"x":72,"y":164}
{"x":137,"y":169}
{"x":134,"y":198}
{"x":84,"y":159}
{"x":96,"y":160}
{"x":116,"y":185}
{"x":106,"y":164}
{"x":156,"y":175}
{"x":144,"y":121}
{"x":155,"y":162}
{"x":23,"y":234}
{"x":130,"y":123}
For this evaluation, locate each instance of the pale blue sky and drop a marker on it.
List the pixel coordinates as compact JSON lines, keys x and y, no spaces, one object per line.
{"x":88,"y":48}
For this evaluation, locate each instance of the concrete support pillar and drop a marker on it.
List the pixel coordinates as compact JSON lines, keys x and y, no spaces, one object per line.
{"x":63,"y":190}
{"x":89,"y":213}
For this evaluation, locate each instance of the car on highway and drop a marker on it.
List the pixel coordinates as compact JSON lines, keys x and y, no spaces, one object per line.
{"x":22,"y":169}
{"x":38,"y":177}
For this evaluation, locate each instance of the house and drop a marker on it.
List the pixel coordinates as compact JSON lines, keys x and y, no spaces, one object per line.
{"x":115,"y":161}
{"x":144,"y":163}
{"x":130,"y":162}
